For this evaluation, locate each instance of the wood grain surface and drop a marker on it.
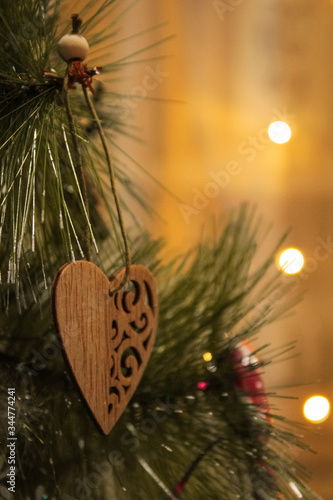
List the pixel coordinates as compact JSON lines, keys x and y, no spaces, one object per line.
{"x":107,"y":340}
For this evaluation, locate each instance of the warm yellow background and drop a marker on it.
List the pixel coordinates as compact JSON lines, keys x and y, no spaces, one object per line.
{"x":235,"y":69}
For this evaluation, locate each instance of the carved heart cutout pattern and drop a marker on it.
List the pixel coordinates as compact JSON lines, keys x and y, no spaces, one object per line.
{"x":107,"y":340}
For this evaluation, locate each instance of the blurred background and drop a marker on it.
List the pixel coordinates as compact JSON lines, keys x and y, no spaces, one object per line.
{"x":234,"y":68}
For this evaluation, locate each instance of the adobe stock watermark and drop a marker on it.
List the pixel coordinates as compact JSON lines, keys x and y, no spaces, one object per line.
{"x":29,"y":30}
{"x":94,"y":480}
{"x":116,"y":460}
{"x":221,"y":179}
{"x":153,"y":78}
{"x":291,"y":283}
{"x":321,"y":253}
{"x":40,"y":359}
{"x":224,"y":7}
{"x":130,"y":440}
{"x":201,"y":198}
{"x":161,"y":413}
{"x":254,"y":144}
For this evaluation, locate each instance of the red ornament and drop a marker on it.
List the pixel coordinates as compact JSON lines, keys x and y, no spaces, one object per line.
{"x":249,"y":378}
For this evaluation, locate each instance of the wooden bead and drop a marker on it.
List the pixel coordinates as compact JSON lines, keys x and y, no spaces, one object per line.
{"x":107,"y":340}
{"x":73,"y":47}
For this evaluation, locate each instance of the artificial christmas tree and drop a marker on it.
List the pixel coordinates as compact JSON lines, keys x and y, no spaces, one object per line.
{"x":199,"y":423}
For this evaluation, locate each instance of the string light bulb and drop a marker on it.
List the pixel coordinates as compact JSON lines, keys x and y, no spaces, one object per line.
{"x":279,"y":132}
{"x":291,"y":261}
{"x":207,"y":357}
{"x":316,"y":409}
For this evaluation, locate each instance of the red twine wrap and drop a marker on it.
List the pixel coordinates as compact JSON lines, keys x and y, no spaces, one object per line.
{"x":78,"y":72}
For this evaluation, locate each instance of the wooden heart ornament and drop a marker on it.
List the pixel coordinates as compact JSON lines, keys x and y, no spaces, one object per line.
{"x":107,"y":340}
